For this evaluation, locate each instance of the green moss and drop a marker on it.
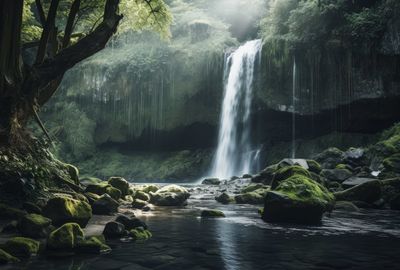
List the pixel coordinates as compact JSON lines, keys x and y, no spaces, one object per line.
{"x":141,"y":196}
{"x":287,"y":172}
{"x":99,"y":188}
{"x":150,"y":188}
{"x":63,"y":209}
{"x":341,"y":166}
{"x":34,"y":225}
{"x":212,"y":213}
{"x":253,"y":187}
{"x":7,"y":258}
{"x":93,"y":244}
{"x":301,"y":188}
{"x":224,"y":198}
{"x":140,"y":234}
{"x":139,"y":204}
{"x":22,"y":247}
{"x":114,"y":193}
{"x":392,"y":163}
{"x":119,"y":183}
{"x":66,"y":237}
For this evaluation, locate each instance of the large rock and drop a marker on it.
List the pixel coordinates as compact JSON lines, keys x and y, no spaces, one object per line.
{"x":140,"y":233}
{"x":104,"y":188}
{"x":62,"y":210}
{"x":21,"y":247}
{"x":211,"y":181}
{"x":141,"y":195}
{"x":73,"y":173}
{"x":114,"y":229}
{"x":212,"y":213}
{"x":7,"y":258}
{"x":367,"y":192}
{"x":119,"y":183}
{"x":252,"y":194}
{"x":34,"y":225}
{"x":330,"y":158}
{"x":92,"y":245}
{"x":297,"y":199}
{"x":336,"y":175}
{"x":355,"y":156}
{"x":66,"y":237}
{"x":105,"y":205}
{"x":7,"y":211}
{"x":224,"y":198}
{"x":171,"y":195}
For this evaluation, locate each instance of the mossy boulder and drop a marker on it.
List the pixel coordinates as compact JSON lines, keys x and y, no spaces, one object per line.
{"x":265,"y":176}
{"x":21,"y":247}
{"x":368,"y":192}
{"x":66,"y":237}
{"x":392,"y":163}
{"x":7,"y":258}
{"x":32,"y":208}
{"x":330,"y":157}
{"x":62,"y":210}
{"x":286,"y":172}
{"x":73,"y":173}
{"x":7,"y":211}
{"x":346,"y":206}
{"x":171,"y":195}
{"x":139,"y":204}
{"x":297,"y":199}
{"x":99,"y":188}
{"x":119,"y":183}
{"x":141,"y":196}
{"x":140,"y":234}
{"x":253,"y":187}
{"x":92,"y":245}
{"x":224,"y":198}
{"x":88,"y":180}
{"x":148,"y":188}
{"x":113,"y":192}
{"x":105,"y":205}
{"x":314,"y":166}
{"x":212,"y":213}
{"x":34,"y":225}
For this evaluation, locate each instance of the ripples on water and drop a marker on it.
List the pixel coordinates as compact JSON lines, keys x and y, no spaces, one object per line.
{"x":369,"y":239}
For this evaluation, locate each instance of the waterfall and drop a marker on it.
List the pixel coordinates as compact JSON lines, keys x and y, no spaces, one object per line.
{"x":294,"y":110}
{"x":234,"y":155}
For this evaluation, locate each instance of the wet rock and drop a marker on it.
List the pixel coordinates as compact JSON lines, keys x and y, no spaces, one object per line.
{"x":11,"y":227}
{"x":367,"y":192}
{"x":34,"y":225}
{"x":141,"y":196}
{"x":140,"y":233}
{"x":212,"y":213}
{"x":92,"y":245}
{"x":265,"y":176}
{"x":66,"y":237}
{"x":314,"y":166}
{"x":114,"y":229}
{"x":395,"y":203}
{"x":354,"y":181}
{"x":21,"y":247}
{"x":149,"y":188}
{"x":104,"y":188}
{"x":253,"y":195}
{"x":246,"y":176}
{"x":336,"y":175}
{"x":297,"y":199}
{"x":171,"y":195}
{"x":330,"y":158}
{"x":91,"y":197}
{"x":130,"y":222}
{"x":7,"y":258}
{"x":32,"y":208}
{"x":119,"y":183}
{"x":86,"y":181}
{"x":139,"y":204}
{"x":105,"y":205}
{"x":224,"y":198}
{"x":211,"y":181}
{"x":392,"y":164}
{"x":355,"y":156}
{"x":62,"y":210}
{"x":147,"y":208}
{"x":346,"y":206}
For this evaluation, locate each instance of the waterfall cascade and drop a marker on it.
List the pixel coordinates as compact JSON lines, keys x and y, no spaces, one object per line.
{"x":234,"y":155}
{"x":294,"y":110}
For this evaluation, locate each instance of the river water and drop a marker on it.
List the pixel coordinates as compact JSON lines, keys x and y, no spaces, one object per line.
{"x":369,"y":239}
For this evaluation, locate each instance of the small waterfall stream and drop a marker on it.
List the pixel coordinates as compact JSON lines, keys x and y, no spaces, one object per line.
{"x":234,"y":155}
{"x":294,"y":110}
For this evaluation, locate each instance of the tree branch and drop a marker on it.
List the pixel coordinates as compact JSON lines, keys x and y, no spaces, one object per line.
{"x":48,"y":28}
{"x":52,"y":69}
{"x":70,"y":23}
{"x":42,"y":17}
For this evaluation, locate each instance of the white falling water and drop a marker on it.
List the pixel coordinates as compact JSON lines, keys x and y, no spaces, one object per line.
{"x":234,"y":155}
{"x":294,"y":110}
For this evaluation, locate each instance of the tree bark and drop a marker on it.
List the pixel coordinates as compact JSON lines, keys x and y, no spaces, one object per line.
{"x":70,"y":23}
